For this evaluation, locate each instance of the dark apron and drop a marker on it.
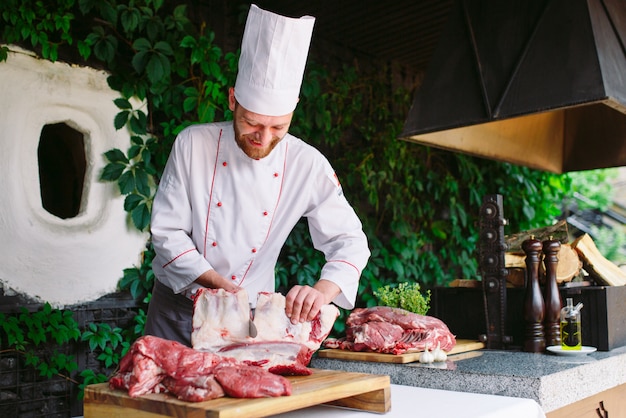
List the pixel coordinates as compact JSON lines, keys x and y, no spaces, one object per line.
{"x":169,"y":315}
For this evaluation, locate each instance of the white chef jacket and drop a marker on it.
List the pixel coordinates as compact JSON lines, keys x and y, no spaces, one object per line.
{"x":216,"y":208}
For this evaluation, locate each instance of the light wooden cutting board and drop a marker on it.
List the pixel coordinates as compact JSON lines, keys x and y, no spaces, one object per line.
{"x":461,"y":346}
{"x":351,"y":390}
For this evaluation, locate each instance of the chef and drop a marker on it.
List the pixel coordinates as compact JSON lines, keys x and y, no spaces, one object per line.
{"x":231,"y":193}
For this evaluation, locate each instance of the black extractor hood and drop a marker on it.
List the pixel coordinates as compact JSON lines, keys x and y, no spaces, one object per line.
{"x":538,"y":83}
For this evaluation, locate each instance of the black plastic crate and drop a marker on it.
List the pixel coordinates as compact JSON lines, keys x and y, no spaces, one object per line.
{"x":26,"y":394}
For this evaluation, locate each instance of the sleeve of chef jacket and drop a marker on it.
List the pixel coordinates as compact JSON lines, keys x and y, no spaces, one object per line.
{"x":177,"y":261}
{"x":337,"y":231}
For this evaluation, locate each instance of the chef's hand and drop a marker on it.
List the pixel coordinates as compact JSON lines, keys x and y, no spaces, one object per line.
{"x":214,"y":280}
{"x":304,"y":302}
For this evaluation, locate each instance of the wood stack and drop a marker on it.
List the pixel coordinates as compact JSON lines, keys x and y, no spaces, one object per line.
{"x":602,"y":270}
{"x":568,"y":267}
{"x":581,"y":254}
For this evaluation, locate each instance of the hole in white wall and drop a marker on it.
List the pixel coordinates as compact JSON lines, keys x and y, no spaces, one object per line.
{"x":62,"y":165}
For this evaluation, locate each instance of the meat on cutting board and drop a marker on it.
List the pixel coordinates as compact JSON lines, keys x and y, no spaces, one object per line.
{"x":194,"y":389}
{"x":154,"y":365}
{"x":224,"y":358}
{"x":241,"y":381}
{"x":280,"y":346}
{"x":383,"y":329}
{"x":284,"y":358}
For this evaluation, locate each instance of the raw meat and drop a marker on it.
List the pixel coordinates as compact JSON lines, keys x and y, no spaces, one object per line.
{"x":197,"y":389}
{"x":154,"y":365}
{"x":251,"y":382}
{"x":384,"y":329}
{"x":273,"y":324}
{"x":382,"y":335}
{"x":283,"y":358}
{"x":280,"y":346}
{"x":220,"y":318}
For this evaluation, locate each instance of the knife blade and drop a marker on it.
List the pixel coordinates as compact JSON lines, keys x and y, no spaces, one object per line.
{"x":251,"y":327}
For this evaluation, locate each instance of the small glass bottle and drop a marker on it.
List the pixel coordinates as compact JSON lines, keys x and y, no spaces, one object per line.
{"x":571,"y":338}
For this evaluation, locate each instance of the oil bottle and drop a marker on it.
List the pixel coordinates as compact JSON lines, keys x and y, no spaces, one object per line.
{"x":571,"y":338}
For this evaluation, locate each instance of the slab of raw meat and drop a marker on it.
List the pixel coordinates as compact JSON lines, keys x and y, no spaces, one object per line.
{"x":153,"y":365}
{"x":374,"y":336}
{"x":273,"y":324}
{"x":196,"y":389}
{"x":251,"y":382}
{"x":220,"y":318}
{"x":280,"y":346}
{"x":378,"y":328}
{"x":283,"y":358}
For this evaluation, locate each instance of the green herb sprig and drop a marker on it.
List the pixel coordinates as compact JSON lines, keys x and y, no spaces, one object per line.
{"x":406,"y":296}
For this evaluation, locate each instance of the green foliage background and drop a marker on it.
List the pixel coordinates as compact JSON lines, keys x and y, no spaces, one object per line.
{"x":418,"y":205}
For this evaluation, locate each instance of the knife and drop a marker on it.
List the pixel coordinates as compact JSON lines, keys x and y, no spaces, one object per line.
{"x":251,"y":327}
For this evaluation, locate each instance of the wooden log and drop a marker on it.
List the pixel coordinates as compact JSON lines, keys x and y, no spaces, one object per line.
{"x":568,"y":267}
{"x":557,"y":231}
{"x":599,"y":268}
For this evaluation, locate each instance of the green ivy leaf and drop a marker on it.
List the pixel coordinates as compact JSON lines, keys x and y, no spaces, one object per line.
{"x":438,"y":228}
{"x":139,"y":122}
{"x":123,"y":104}
{"x":189,"y":104}
{"x":142,"y":182}
{"x":112,"y":171}
{"x":142,"y":44}
{"x":188,"y":42}
{"x":104,"y":48}
{"x":120,"y":119}
{"x":134,"y":151}
{"x":146,"y":157}
{"x":116,"y":156}
{"x":131,"y":201}
{"x":157,"y":4}
{"x":130,"y":19}
{"x":126,"y":182}
{"x":158,"y":68}
{"x":141,"y":216}
{"x":108,"y":12}
{"x":163,"y":48}
{"x":140,"y":60}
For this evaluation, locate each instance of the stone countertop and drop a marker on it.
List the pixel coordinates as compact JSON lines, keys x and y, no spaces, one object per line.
{"x":553,"y":381}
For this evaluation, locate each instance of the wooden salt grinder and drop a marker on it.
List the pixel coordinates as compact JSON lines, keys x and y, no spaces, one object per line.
{"x":534,"y":340}
{"x":552,"y":296}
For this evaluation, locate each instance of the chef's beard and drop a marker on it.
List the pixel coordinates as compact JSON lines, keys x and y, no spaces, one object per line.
{"x":251,"y":151}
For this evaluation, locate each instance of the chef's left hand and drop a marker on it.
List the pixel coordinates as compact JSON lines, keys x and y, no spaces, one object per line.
{"x":304,"y":302}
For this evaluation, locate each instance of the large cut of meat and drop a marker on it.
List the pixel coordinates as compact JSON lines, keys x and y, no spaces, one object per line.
{"x":220,"y":325}
{"x":273,"y":324}
{"x":220,"y":318}
{"x":383,"y":329}
{"x":251,"y":382}
{"x":154,"y":365}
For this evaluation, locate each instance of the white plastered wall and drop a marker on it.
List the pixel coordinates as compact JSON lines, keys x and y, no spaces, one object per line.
{"x":62,"y":261}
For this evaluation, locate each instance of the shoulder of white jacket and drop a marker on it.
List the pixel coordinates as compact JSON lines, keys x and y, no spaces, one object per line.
{"x":203,"y":127}
{"x":299,"y":145}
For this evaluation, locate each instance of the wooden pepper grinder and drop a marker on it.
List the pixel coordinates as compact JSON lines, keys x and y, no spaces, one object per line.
{"x":552,"y":296}
{"x":534,"y":340}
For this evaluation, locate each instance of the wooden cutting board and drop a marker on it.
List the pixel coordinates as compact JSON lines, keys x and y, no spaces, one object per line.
{"x":461,"y":346}
{"x":351,"y":390}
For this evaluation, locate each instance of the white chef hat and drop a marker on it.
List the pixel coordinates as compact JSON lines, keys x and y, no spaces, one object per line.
{"x":271,"y":65}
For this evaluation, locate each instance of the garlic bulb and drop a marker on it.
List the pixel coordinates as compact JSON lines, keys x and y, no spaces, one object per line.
{"x":439,"y":354}
{"x":426,"y":356}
